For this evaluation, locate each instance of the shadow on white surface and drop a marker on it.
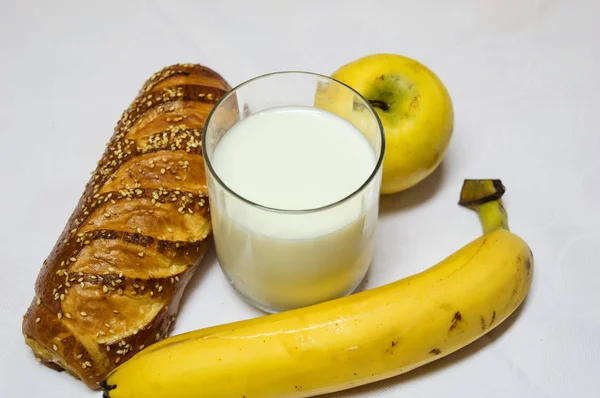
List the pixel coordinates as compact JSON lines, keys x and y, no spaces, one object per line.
{"x":415,"y":196}
{"x":208,"y":261}
{"x":380,"y":387}
{"x":364,"y":284}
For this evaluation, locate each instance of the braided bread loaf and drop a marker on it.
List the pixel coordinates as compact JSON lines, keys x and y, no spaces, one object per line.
{"x":112,"y":284}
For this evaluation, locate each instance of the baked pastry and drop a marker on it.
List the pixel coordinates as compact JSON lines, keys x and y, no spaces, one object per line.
{"x":113,"y":282}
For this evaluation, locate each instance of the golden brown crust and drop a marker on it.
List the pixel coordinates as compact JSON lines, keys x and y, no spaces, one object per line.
{"x":112,"y":284}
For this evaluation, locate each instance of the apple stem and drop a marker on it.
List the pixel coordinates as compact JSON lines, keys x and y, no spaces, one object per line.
{"x":379,"y":104}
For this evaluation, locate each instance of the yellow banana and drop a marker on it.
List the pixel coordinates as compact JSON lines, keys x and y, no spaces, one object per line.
{"x":339,"y":344}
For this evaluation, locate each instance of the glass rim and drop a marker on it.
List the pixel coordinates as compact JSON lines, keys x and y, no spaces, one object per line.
{"x":361,"y":188}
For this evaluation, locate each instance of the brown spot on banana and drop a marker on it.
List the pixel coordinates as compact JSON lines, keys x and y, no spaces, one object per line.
{"x":528,"y":265}
{"x":455,"y":321}
{"x":483,"y":325}
{"x":390,"y":349}
{"x":435,"y":351}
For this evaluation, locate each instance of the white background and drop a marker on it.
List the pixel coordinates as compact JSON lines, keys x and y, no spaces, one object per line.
{"x":524,"y":76}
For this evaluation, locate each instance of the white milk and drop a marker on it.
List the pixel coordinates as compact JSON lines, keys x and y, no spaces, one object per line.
{"x":294,"y":158}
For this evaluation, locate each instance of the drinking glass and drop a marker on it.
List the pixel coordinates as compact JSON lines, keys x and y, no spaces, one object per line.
{"x":318,"y":257}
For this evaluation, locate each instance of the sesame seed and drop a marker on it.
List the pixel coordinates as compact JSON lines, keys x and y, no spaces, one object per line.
{"x":139,"y":230}
{"x":78,"y":356}
{"x":141,"y":254}
{"x":120,"y":291}
{"x":105,"y":288}
{"x":39,"y":301}
{"x":160,"y":288}
{"x":59,"y":315}
{"x":73,"y":259}
{"x":54,"y":347}
{"x":83,"y":313}
{"x":108,"y":348}
{"x":118,"y":360}
{"x":37,"y":320}
{"x":82,"y":285}
{"x":142,"y":347}
{"x":62,"y":297}
{"x":157,"y":336}
{"x":83,"y":366}
{"x":88,"y":364}
{"x":101,"y":333}
{"x":68,"y":315}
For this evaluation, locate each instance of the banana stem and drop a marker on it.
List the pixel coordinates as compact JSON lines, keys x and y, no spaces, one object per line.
{"x":485,"y":197}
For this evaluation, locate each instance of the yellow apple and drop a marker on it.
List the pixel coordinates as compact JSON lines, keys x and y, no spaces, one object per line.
{"x":415,"y":110}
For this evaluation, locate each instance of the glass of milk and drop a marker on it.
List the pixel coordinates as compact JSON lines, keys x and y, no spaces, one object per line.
{"x":293,"y":163}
